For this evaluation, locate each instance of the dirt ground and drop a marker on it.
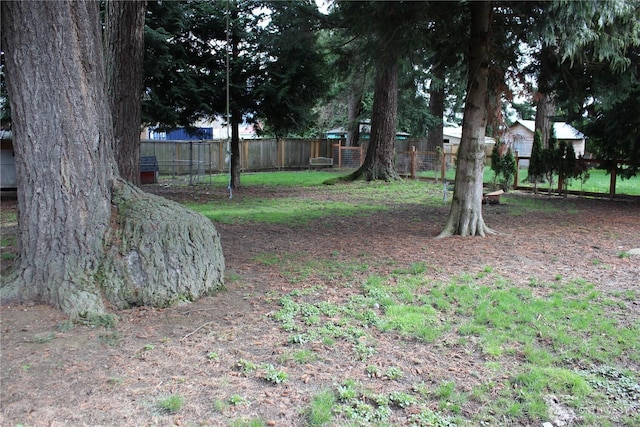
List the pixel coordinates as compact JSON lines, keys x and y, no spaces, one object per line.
{"x":54,"y":374}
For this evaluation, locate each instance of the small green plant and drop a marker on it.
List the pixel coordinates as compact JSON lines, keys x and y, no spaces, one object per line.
{"x":393,"y":373}
{"x":171,"y":404}
{"x":213,"y":356}
{"x":274,"y":376}
{"x":107,"y":321}
{"x":363,"y":351}
{"x":372,"y":371}
{"x":148,"y":347}
{"x":246,"y":366}
{"x":445,"y":389}
{"x":115,"y":381}
{"x":236,"y":399}
{"x":220,"y":405}
{"x":300,"y":356}
{"x":624,"y":255}
{"x":252,"y":422}
{"x":429,"y":418}
{"x":321,"y":410}
{"x":401,"y":399}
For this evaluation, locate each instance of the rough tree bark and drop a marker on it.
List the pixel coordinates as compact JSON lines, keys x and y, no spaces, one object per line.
{"x":544,"y":98}
{"x":435,"y":137}
{"x":84,"y":234}
{"x":354,"y":107}
{"x":236,"y":114}
{"x":124,"y":53}
{"x":234,"y":163}
{"x":378,"y":163}
{"x":465,"y":217}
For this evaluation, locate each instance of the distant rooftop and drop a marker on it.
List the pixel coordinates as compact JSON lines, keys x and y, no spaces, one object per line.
{"x":563,"y":130}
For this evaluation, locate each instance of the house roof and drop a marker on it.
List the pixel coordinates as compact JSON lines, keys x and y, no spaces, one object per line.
{"x":456,"y":132}
{"x":563,"y":130}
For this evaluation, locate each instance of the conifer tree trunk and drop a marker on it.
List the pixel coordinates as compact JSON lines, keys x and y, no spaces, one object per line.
{"x":124,"y":52}
{"x":435,"y":137}
{"x":84,"y":234}
{"x":378,"y":163}
{"x":465,"y":217}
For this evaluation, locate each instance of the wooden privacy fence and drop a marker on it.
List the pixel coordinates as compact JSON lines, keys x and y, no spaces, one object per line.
{"x":519,"y":177}
{"x":210,"y":156}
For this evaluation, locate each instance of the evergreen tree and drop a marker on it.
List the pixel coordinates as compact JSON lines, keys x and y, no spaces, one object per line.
{"x":496,"y":160}
{"x":536,"y":162}
{"x":508,"y":169}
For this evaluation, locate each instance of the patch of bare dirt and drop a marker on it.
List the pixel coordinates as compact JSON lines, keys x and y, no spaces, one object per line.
{"x":90,"y":376}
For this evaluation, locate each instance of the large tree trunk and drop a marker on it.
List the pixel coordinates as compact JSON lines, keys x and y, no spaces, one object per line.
{"x":435,"y":137}
{"x":124,"y":53}
{"x":465,"y":217}
{"x":544,"y":98}
{"x":354,"y":107}
{"x":545,"y":111}
{"x":235,"y":74}
{"x":83,"y":233}
{"x":234,"y":164}
{"x":378,"y":163}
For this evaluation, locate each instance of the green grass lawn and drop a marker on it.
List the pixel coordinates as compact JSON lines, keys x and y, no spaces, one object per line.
{"x":598,"y":181}
{"x":530,"y":341}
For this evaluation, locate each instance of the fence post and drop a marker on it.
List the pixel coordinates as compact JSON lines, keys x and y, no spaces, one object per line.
{"x":516,"y":179}
{"x":361,"y":155}
{"x":612,"y":182}
{"x":190,"y":162}
{"x":413,"y":162}
{"x":339,"y":153}
{"x":443,"y":166}
{"x":177,"y":160}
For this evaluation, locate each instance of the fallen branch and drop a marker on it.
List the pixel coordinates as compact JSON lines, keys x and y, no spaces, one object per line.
{"x":195,"y":330}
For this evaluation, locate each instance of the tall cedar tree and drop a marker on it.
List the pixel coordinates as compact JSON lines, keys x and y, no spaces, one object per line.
{"x":124,"y":47}
{"x":87,"y":239}
{"x":391,"y":31}
{"x":536,"y":162}
{"x":465,"y":217}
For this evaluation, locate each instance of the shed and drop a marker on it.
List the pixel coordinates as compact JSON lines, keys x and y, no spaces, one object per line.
{"x":520,"y":136}
{"x":8,"y":177}
{"x":452,"y":136}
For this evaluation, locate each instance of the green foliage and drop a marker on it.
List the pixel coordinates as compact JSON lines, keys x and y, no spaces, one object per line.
{"x":321,"y":410}
{"x":274,"y":376}
{"x":429,"y":418}
{"x":276,"y":70}
{"x":536,"y":163}
{"x":171,"y":404}
{"x":503,"y":163}
{"x":252,"y":422}
{"x":236,"y":399}
{"x":246,"y":366}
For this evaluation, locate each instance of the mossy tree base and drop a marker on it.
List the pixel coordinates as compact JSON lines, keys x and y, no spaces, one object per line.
{"x":158,"y":252}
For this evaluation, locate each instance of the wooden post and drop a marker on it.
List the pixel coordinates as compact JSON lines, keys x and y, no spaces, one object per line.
{"x":361,"y":155}
{"x":612,"y":182}
{"x":516,"y":179}
{"x":413,"y":162}
{"x":443,"y":166}
{"x":245,"y":152}
{"x":340,"y":153}
{"x":176,"y":162}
